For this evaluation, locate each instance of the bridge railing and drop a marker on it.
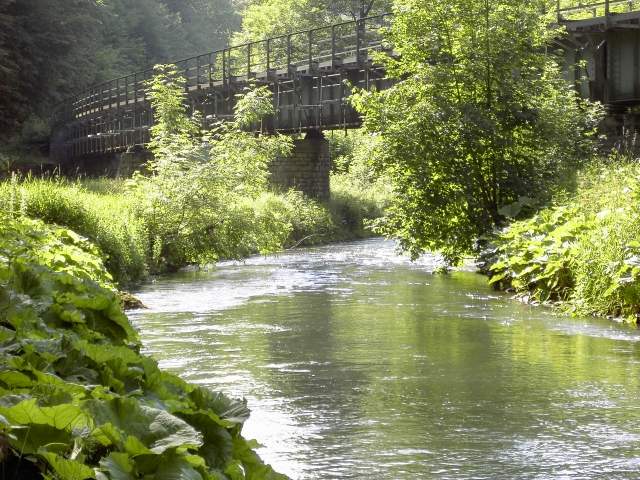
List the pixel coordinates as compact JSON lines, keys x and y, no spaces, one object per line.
{"x":576,"y":10}
{"x":266,"y":60}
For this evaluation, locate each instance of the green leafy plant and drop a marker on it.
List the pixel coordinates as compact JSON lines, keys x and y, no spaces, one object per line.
{"x":583,"y":254}
{"x":197,"y":202}
{"x":480,"y":116}
{"x":77,"y":400}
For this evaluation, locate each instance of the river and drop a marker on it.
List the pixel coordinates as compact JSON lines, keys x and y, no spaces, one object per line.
{"x":357,"y":363}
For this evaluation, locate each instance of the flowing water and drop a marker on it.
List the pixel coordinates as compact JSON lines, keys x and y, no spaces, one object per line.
{"x":357,"y":363}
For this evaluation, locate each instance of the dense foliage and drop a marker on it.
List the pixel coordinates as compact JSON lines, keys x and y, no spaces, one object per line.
{"x":207,"y":196}
{"x":479,"y":119}
{"x":105,"y":217}
{"x":268,"y":18}
{"x":50,"y":49}
{"x":77,"y":400}
{"x":199,"y":203}
{"x":359,"y":194}
{"x":583,"y":253}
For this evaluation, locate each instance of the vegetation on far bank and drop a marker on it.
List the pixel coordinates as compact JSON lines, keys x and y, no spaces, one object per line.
{"x":77,"y":400}
{"x":105,"y":212}
{"x":583,"y":252}
{"x":205,"y":195}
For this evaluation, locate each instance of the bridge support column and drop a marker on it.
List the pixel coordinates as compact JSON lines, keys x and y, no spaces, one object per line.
{"x":307,"y":168}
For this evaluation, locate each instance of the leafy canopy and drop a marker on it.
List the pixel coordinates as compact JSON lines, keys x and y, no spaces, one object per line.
{"x":268,"y":18}
{"x":480,"y":118}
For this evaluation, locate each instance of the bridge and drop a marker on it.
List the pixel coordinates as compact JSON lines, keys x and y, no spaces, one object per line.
{"x":311,"y":74}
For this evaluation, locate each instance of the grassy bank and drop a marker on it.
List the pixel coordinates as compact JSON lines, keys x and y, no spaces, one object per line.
{"x":205,"y":195}
{"x":582,"y":253}
{"x":78,"y":400}
{"x":110,"y":214}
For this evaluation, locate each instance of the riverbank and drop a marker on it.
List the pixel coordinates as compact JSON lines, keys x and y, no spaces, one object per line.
{"x":78,"y":399}
{"x":581,"y":254}
{"x":107,"y":212}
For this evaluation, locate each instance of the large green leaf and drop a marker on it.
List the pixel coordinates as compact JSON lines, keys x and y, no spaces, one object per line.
{"x":226,"y":408}
{"x":68,"y":469}
{"x":217,"y":449}
{"x":156,"y":429}
{"x":118,"y":466}
{"x":60,"y":417}
{"x":176,"y":468}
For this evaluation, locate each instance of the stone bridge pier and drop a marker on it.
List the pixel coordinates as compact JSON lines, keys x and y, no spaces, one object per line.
{"x":306,"y":168}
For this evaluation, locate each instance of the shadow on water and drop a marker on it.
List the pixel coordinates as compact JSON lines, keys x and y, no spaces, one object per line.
{"x":358,"y":363}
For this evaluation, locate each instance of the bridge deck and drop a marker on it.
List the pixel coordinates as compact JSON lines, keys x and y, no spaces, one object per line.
{"x":310,"y":73}
{"x":598,"y":15}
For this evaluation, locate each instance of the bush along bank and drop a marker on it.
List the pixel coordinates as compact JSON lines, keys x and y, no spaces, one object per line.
{"x":77,"y":400}
{"x":583,"y":253}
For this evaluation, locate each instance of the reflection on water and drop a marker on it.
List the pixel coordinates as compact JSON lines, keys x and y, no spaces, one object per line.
{"x":357,"y":363}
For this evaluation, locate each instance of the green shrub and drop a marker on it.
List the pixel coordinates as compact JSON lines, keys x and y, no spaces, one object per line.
{"x":359,"y":192}
{"x":357,"y":204}
{"x":198,"y":202}
{"x":77,"y":400}
{"x":584,"y":252}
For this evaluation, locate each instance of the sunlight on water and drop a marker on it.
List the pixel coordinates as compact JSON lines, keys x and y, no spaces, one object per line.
{"x":358,"y":363}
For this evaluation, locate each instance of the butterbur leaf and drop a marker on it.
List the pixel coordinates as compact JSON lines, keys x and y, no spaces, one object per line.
{"x":107,"y":435}
{"x":68,"y":469}
{"x":156,"y":429}
{"x":222,"y":405}
{"x":497,"y":278}
{"x":217,"y":449}
{"x":167,"y":431}
{"x":134,"y":447}
{"x":104,"y":353}
{"x":176,"y":468}
{"x":61,"y":417}
{"x":13,"y":379}
{"x":118,"y":466}
{"x":235,"y":471}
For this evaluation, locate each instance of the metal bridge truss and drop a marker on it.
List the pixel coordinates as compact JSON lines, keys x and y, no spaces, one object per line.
{"x":310,"y":74}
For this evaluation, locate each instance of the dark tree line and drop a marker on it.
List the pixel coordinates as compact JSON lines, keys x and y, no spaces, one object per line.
{"x":50,"y":49}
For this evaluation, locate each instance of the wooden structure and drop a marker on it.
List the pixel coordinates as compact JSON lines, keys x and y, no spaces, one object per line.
{"x":605,"y":37}
{"x":310,"y":73}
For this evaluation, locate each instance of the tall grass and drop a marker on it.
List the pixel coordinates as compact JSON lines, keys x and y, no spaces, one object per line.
{"x":104,"y":218}
{"x":104,"y":211}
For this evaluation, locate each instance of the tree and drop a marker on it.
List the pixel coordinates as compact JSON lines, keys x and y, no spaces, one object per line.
{"x":11,"y":99}
{"x":197,"y":202}
{"x":52,"y":49}
{"x":480,"y":119}
{"x":268,"y":18}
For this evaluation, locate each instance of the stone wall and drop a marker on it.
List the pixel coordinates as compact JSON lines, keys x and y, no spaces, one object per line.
{"x":306,"y":169}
